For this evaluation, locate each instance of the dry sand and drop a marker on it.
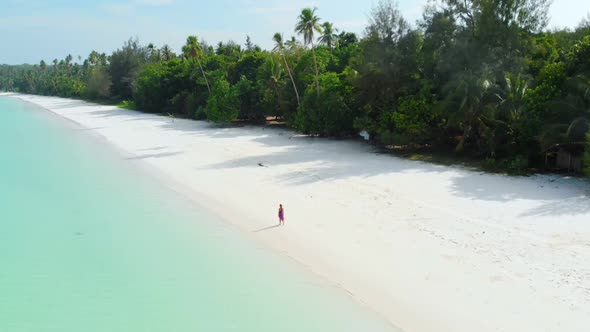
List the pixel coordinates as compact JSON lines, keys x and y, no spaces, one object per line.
{"x":431,"y":248}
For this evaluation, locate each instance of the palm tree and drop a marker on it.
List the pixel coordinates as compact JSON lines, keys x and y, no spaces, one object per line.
{"x":512,"y":97}
{"x":93,"y":58}
{"x":153,"y":53}
{"x":292,"y":43}
{"x":167,"y":54}
{"x":273,"y":69}
{"x":280,"y":47}
{"x":193,"y":50}
{"x":471,"y":100}
{"x":307,"y":23}
{"x":329,"y":36}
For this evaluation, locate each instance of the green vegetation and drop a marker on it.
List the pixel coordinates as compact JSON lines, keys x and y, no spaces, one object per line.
{"x":223,"y":103}
{"x":127,"y":104}
{"x":480,"y":80}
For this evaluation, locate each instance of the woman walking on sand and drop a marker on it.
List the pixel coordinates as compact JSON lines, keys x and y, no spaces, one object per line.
{"x":281,"y":215}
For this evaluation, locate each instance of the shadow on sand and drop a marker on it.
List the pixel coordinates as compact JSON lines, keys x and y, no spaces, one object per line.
{"x":266,"y":228}
{"x":557,"y":195}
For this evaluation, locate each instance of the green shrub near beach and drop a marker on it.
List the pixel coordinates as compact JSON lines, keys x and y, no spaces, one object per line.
{"x":127,"y":104}
{"x":223,"y":103}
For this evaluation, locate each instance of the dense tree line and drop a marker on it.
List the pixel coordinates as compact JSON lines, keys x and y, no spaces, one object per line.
{"x":482,"y":78}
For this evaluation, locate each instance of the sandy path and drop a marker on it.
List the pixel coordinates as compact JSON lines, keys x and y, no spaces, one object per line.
{"x":432,"y":248}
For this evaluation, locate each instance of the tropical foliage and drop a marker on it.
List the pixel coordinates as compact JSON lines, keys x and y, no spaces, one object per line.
{"x":482,"y":78}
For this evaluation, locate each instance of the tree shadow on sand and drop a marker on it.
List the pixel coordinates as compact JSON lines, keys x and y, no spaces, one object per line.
{"x":68,"y":103}
{"x":154,"y":155}
{"x":558,"y":195}
{"x":324,"y":158}
{"x":326,"y":162}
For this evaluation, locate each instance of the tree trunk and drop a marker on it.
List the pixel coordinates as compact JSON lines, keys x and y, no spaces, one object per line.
{"x":292,"y":80}
{"x":204,"y":76}
{"x":317,"y":74}
{"x":278,"y":97}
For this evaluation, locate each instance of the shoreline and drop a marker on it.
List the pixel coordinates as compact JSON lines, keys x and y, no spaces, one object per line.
{"x":428,"y":247}
{"x":125,"y":250}
{"x":203,"y":201}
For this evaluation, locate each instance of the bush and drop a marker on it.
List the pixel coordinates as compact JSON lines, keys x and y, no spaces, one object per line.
{"x":184,"y":103}
{"x":169,"y":86}
{"x":125,"y":65}
{"x":223,"y":105}
{"x":99,"y":84}
{"x":386,"y":137}
{"x":153,"y":93}
{"x":519,"y":164}
{"x":200,"y":114}
{"x":491,"y":164}
{"x":587,"y":156}
{"x":364,"y":123}
{"x":249,"y":100}
{"x":413,"y":119}
{"x":326,"y":114}
{"x":127,"y":104}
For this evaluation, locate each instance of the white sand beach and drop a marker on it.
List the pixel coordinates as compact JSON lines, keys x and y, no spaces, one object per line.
{"x":429,"y":247}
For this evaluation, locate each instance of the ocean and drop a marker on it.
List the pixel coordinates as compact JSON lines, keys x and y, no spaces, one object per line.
{"x":90,"y":241}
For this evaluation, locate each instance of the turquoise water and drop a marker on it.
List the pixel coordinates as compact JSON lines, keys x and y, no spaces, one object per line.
{"x":89,"y":242}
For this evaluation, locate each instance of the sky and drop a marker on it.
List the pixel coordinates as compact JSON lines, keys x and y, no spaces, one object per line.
{"x":32,"y":30}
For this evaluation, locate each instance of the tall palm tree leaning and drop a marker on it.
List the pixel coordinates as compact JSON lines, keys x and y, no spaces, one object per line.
{"x":193,"y":50}
{"x":307,"y":23}
{"x":280,"y":47}
{"x":329,"y":36}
